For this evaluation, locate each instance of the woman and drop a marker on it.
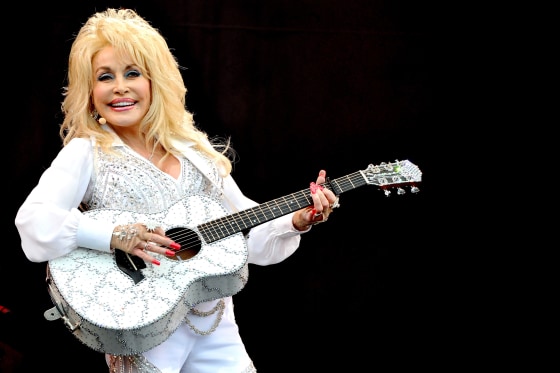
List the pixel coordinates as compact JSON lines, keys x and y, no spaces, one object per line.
{"x":130,"y":145}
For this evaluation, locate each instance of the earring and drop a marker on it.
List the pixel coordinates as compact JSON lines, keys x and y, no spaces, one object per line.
{"x":95,"y":115}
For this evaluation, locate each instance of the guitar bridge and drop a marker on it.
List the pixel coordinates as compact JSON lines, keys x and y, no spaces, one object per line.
{"x":130,"y":265}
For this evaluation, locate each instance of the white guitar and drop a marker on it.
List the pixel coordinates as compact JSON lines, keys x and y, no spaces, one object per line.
{"x":115,"y":304}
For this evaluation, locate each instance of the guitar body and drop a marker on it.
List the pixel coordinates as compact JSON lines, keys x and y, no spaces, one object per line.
{"x":110,"y":312}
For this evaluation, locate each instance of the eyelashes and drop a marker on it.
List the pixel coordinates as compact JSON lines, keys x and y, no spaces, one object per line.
{"x":132,"y":74}
{"x":129,"y":74}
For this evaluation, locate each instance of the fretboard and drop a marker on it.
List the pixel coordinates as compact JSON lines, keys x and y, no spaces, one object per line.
{"x":223,"y":227}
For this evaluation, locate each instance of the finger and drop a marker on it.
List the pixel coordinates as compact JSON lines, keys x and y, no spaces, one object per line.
{"x":308,"y":213}
{"x":320,"y":200}
{"x":329,"y":194}
{"x":315,"y":214}
{"x":328,"y":198}
{"x":146,"y":248}
{"x":147,"y":257}
{"x":322,"y":177}
{"x":318,"y":196}
{"x":155,"y":248}
{"x":159,"y":237}
{"x":316,"y":217}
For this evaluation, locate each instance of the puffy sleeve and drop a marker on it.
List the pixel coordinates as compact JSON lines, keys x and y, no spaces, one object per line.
{"x":49,"y":222}
{"x":268,"y":243}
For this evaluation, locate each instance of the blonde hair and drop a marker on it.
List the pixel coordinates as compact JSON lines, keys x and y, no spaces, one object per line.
{"x":132,"y":36}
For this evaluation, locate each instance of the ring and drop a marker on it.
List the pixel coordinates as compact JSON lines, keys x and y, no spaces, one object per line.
{"x":146,"y":246}
{"x":150,"y":226}
{"x":125,"y":232}
{"x":317,"y":214}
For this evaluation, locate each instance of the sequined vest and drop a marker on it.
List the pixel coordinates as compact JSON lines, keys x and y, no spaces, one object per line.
{"x":127,"y":181}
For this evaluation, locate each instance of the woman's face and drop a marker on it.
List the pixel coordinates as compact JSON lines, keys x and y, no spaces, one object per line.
{"x":121,"y":94}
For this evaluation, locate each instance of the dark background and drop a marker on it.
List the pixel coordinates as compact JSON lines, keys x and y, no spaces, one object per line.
{"x":299,"y":85}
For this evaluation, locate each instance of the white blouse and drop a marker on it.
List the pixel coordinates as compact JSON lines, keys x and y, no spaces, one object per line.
{"x":51,"y":224}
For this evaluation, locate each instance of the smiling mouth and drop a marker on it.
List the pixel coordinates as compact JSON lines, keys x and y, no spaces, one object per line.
{"x":122,"y":104}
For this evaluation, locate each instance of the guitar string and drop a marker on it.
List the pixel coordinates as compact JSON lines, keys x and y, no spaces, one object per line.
{"x":190,"y":238}
{"x":215,"y":230}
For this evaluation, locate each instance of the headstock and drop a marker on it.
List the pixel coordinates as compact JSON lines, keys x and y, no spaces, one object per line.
{"x":394,"y":174}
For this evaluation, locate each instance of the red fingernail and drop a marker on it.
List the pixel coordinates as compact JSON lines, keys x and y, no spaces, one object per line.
{"x":322,"y":173}
{"x":174,"y":245}
{"x":156,"y":262}
{"x":313,"y":187}
{"x":169,"y":253}
{"x":313,"y":212}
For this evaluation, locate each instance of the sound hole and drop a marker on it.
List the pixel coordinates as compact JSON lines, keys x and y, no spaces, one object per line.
{"x":189,"y":241}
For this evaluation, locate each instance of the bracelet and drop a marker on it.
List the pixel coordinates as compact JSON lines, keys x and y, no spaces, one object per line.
{"x":125,"y":232}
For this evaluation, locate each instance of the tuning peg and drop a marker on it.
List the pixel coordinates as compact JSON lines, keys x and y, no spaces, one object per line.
{"x":400,"y":191}
{"x":414,"y":189}
{"x":387,"y":192}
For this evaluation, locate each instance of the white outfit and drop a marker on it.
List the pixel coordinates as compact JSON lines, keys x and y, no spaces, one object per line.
{"x":51,"y":225}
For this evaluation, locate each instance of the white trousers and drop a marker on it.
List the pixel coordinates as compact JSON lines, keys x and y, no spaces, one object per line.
{"x":186,"y":351}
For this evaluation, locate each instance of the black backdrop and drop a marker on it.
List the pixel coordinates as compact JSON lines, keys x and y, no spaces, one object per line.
{"x":299,"y":85}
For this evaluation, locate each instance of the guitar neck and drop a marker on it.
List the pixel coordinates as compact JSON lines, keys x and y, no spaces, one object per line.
{"x":249,"y":218}
{"x":384,"y":175}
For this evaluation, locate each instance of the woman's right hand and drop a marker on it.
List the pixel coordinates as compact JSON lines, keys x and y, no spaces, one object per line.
{"x":137,"y":240}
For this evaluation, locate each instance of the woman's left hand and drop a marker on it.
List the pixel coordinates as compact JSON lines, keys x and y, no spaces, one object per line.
{"x":324,"y":201}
